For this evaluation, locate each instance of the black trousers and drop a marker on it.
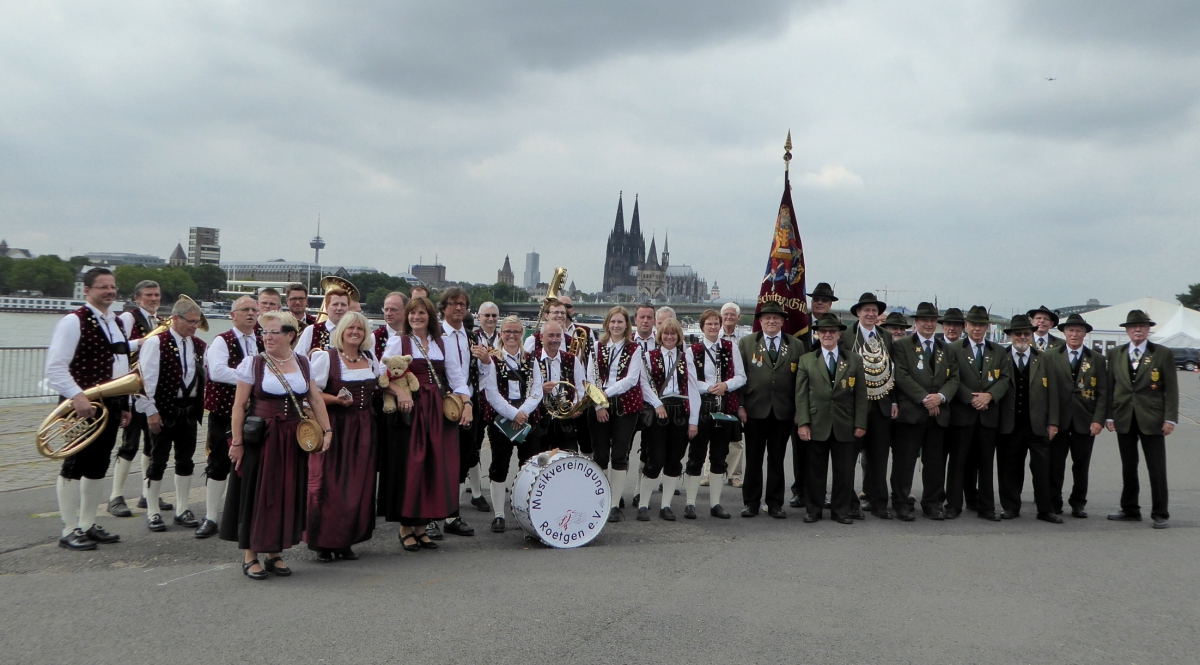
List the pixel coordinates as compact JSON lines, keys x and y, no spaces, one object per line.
{"x":219,"y":464}
{"x":665,"y":443}
{"x":711,"y":440}
{"x":137,"y":431}
{"x":92,"y":462}
{"x":554,"y":433}
{"x":180,"y":435}
{"x":1012,"y":449}
{"x":820,"y":455}
{"x":926,"y":440}
{"x":765,"y":437}
{"x":875,"y":447}
{"x":612,"y":440}
{"x":976,"y":484}
{"x":1079,"y":446}
{"x":470,"y":441}
{"x":583,"y":432}
{"x":1154,"y":447}
{"x":502,"y":452}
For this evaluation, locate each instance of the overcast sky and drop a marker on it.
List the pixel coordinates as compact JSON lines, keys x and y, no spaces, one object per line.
{"x":932,"y":155}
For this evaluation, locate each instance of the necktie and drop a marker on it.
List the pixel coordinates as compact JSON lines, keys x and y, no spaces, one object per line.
{"x":871,"y":335}
{"x":458,"y":344}
{"x":830,"y":364}
{"x":248,"y":346}
{"x":774,"y":352}
{"x":1042,"y":343}
{"x":978,"y":356}
{"x":1021,"y":362}
{"x":929,"y":355}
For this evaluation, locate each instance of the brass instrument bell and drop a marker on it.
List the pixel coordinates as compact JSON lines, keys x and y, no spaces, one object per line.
{"x":334,"y":282}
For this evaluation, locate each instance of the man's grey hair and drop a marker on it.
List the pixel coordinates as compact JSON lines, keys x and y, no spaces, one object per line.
{"x":551,"y":322}
{"x":488,"y":305}
{"x":669,"y":311}
{"x":185,"y":307}
{"x":731,"y":306}
{"x":143,"y":285}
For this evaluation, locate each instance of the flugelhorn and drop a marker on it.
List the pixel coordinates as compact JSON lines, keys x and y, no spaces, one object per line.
{"x":64,"y":427}
{"x":334,"y":282}
{"x":165,"y":324}
{"x":561,"y":404}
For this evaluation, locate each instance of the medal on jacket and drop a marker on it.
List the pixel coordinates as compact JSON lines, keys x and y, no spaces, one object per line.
{"x":920,"y":363}
{"x":1093,"y":382}
{"x":1154,"y":375}
{"x":851,"y":380}
{"x":1045,"y":382}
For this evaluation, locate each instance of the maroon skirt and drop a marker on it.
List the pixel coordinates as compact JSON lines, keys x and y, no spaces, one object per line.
{"x":341,"y":483}
{"x":418,"y":480}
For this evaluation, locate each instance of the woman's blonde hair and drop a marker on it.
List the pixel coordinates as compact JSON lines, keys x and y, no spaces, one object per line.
{"x":670,"y":324}
{"x":605,"y":338}
{"x":287,"y":322}
{"x":349,"y":319}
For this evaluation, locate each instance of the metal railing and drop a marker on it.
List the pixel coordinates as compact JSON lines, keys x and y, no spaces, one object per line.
{"x":22,"y":372}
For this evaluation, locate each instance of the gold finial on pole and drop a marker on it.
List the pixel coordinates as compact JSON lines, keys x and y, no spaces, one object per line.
{"x":787,"y":151}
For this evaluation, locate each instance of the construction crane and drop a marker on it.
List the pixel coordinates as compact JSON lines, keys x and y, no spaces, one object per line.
{"x":885,"y":291}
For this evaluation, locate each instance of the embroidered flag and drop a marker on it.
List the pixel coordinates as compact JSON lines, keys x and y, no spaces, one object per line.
{"x":783,"y":282}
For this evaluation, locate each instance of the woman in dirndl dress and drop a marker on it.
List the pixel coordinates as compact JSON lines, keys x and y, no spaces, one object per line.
{"x":670,"y":387}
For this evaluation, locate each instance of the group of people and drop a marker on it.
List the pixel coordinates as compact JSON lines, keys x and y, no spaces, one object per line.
{"x":964,"y":405}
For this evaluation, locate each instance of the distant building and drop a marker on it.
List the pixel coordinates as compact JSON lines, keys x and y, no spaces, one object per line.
{"x":1091,"y":306}
{"x":178,"y":258}
{"x":204,"y":246}
{"x":431,"y":275}
{"x":625,"y":253}
{"x":505,"y":274}
{"x":278,"y":270}
{"x":533,"y":273}
{"x":14,"y":252}
{"x":715,"y":294}
{"x":652,"y":277}
{"x":631,"y":271}
{"x":115,"y":259}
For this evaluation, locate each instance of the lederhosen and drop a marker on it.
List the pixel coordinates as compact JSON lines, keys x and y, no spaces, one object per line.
{"x":612,"y":439}
{"x":553,"y":432}
{"x":666,"y":440}
{"x":218,"y":401}
{"x":137,"y":429}
{"x":181,"y":415}
{"x":502,"y":446}
{"x":713,"y":438}
{"x":479,"y":405}
{"x":92,"y":365}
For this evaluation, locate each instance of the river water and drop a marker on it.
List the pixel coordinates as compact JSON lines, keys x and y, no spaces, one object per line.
{"x":35,"y":329}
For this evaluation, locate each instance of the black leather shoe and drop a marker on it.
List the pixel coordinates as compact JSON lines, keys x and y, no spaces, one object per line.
{"x":325,"y":556}
{"x":346,"y":554}
{"x":207,"y":529}
{"x":77,"y":540}
{"x":498,"y":525}
{"x":1122,"y":516}
{"x":141,"y":502}
{"x":1050,"y":517}
{"x":247,"y":565}
{"x":990,"y":516}
{"x":856,"y":513}
{"x":905,"y":515}
{"x":1079,"y":513}
{"x":187,"y":519}
{"x":777,"y":513}
{"x":842,"y":519}
{"x":433,"y":531}
{"x":276,"y":565}
{"x":98,"y":534}
{"x":404,"y":540}
{"x":665,"y":513}
{"x":795,"y":501}
{"x":1009,"y":515}
{"x":118,"y":508}
{"x":689,"y":511}
{"x":425,"y":542}
{"x":864,"y":506}
{"x":809,"y":518}
{"x":621,"y":503}
{"x":163,"y":506}
{"x":481,"y":504}
{"x":459,"y":527}
{"x":952,"y":514}
{"x":615,"y":515}
{"x":828,"y":505}
{"x":936,"y":515}
{"x":643,"y":514}
{"x":749,"y":512}
{"x":718,"y":512}
{"x":637,"y":499}
{"x":1161,"y":524}
{"x":155,"y":523}
{"x":884,"y":514}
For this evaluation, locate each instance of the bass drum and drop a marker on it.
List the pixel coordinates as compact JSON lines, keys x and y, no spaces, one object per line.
{"x":561,"y":498}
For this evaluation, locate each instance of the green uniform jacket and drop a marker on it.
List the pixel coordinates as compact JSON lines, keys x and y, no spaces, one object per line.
{"x":1043,"y":394}
{"x":914,"y":381}
{"x":831,"y":408}
{"x":993,"y":378}
{"x":1083,"y":399}
{"x":770,"y":387}
{"x":1153,"y":396}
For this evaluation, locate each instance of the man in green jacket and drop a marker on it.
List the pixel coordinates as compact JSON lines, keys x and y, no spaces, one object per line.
{"x":768,"y":408}
{"x":831,"y":414}
{"x":1143,"y":403}
{"x":1083,"y":394}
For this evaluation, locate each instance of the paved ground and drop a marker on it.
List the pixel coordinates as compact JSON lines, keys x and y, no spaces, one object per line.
{"x":752,"y":591}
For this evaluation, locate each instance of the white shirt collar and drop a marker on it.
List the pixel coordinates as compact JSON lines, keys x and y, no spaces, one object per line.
{"x":1028,"y":353}
{"x":547,"y":356}
{"x":180,"y":340}
{"x":148,"y":314}
{"x":825,"y":354}
{"x":99,"y":315}
{"x":924,"y":339}
{"x":1140,"y":347}
{"x":866,"y":334}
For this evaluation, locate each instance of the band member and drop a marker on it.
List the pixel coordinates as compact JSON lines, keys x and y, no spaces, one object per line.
{"x":225,"y":354}
{"x":975,"y":419}
{"x":418,"y":291}
{"x":454,"y":305}
{"x":341,"y":480}
{"x":874,"y":350}
{"x":731,"y":314}
{"x":643,"y":332}
{"x":1143,"y":399}
{"x":297,"y":304}
{"x":1043,"y":320}
{"x":768,"y":411}
{"x":1029,"y":417}
{"x":557,"y":365}
{"x":139,"y":322}
{"x":316,"y":336}
{"x":514,"y":392}
{"x":831,"y":415}
{"x":897,"y":325}
{"x":489,"y":326}
{"x":172,"y":367}
{"x":268,"y":301}
{"x":1083,"y":393}
{"x":926,"y":378}
{"x":89,"y":347}
{"x":486,"y":336}
{"x":672,"y":390}
{"x":580,"y":340}
{"x":265,"y":505}
{"x":420,"y":482}
{"x":393,"y":318}
{"x":662,"y":314}
{"x":821,"y":303}
{"x":616,"y":367}
{"x":720,"y":373}
{"x":952,"y":325}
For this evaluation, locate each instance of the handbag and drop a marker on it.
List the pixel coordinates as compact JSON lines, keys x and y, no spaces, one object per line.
{"x":452,"y":405}
{"x":253,"y":427}
{"x":309,"y":435}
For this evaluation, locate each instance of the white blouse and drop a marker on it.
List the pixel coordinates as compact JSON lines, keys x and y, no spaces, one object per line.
{"x":271,"y":384}
{"x":456,"y":371}
{"x":319,"y":366}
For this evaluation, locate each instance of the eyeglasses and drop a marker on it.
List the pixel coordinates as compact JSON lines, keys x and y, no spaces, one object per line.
{"x":570,"y":306}
{"x":297,"y":299}
{"x":489,"y":316}
{"x":510,"y":332}
{"x":1021,"y":334}
{"x":272,"y":333}
{"x":194,"y":322}
{"x":246,"y":309}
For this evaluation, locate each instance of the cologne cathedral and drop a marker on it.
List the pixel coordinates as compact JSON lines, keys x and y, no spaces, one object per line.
{"x":629,"y":270}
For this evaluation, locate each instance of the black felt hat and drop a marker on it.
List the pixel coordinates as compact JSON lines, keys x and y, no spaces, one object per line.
{"x":1136,"y":316}
{"x":823,"y":290}
{"x":868,"y":299}
{"x":1043,"y":310}
{"x":1075,"y":320}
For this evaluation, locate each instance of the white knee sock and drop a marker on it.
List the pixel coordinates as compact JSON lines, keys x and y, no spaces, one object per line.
{"x":647,"y":488}
{"x":153,"y":491}
{"x":145,"y":468}
{"x":617,"y":480}
{"x":120,"y":473}
{"x":212,"y":499}
{"x":498,"y":503}
{"x":715,"y":482}
{"x":476,"y":482}
{"x":183,"y":487}
{"x":668,"y":493}
{"x":691,"y":486}
{"x":90,"y":492}
{"x":68,"y":504}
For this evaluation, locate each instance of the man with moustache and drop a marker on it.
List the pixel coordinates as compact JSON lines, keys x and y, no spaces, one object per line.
{"x":1083,"y":393}
{"x":1143,"y":399}
{"x":821,"y":303}
{"x":952,"y":325}
{"x":297,"y":304}
{"x":139,"y":322}
{"x":1043,"y":319}
{"x":643,"y":331}
{"x":393,"y":321}
{"x":897,"y":325}
{"x":557,"y":365}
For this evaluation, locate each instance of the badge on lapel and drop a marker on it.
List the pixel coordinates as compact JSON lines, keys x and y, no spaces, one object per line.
{"x":1093,"y":382}
{"x":1154,"y":375}
{"x":793,"y":367}
{"x":843,"y":383}
{"x":1045,"y":382}
{"x":920,"y":363}
{"x":851,"y":379}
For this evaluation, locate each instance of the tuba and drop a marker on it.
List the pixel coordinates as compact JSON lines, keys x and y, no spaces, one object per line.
{"x":334,"y":282}
{"x":561,"y":403}
{"x":556,"y":284}
{"x":164,"y":325}
{"x":64,"y":428}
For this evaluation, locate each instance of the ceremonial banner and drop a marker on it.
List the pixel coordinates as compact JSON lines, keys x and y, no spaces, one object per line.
{"x":783,"y":283}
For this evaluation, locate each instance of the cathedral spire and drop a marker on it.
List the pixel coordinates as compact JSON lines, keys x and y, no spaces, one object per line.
{"x":666,"y":252}
{"x":635,"y":227}
{"x":619,"y":225}
{"x":652,"y":257}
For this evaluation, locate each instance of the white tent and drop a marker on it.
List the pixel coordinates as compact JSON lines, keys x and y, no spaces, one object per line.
{"x":1175,"y":326}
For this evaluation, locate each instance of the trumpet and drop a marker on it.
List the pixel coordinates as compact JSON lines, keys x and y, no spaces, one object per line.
{"x":561,"y":403}
{"x":64,"y":424}
{"x":334,"y":282}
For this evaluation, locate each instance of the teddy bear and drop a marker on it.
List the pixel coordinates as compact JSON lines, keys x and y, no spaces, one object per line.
{"x":400,"y":380}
